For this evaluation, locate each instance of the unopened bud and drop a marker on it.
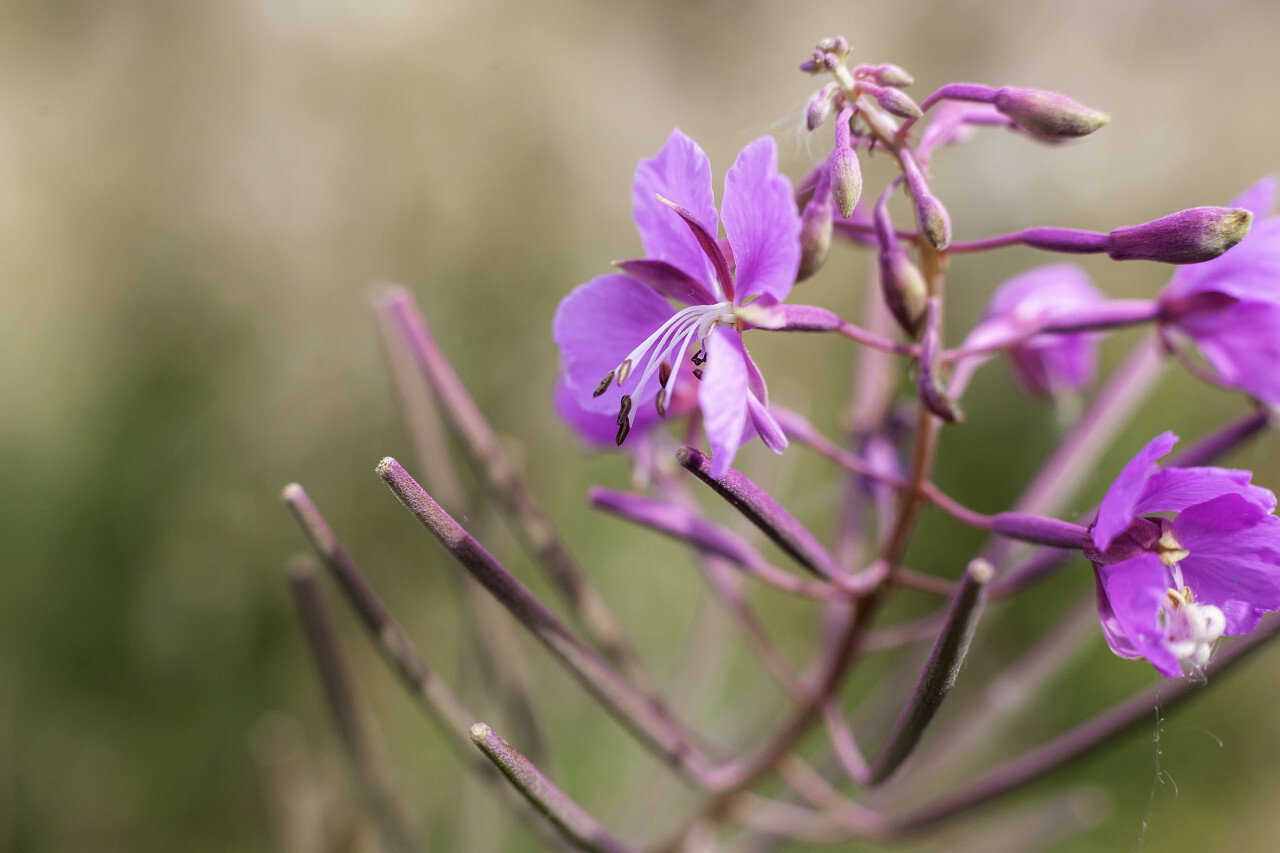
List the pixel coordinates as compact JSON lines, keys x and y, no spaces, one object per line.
{"x":932,"y":217}
{"x":820,"y":106}
{"x":1048,"y":115}
{"x":905,"y":293}
{"x":844,"y":172}
{"x":815,"y":236}
{"x":846,"y":180}
{"x":1186,"y":237}
{"x":891,"y":75}
{"x":896,"y":101}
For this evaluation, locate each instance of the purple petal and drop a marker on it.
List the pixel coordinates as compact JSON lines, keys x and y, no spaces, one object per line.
{"x":596,"y":326}
{"x":706,"y":240}
{"x":1045,"y":364}
{"x":671,"y":281}
{"x":680,"y":172}
{"x":1234,"y":559}
{"x":1242,"y":343}
{"x":1175,"y":489}
{"x":1130,"y":596}
{"x":1119,"y":506}
{"x":1259,"y":199}
{"x":765,"y":426}
{"x":762,"y":223}
{"x":723,"y":398}
{"x":1043,"y":292}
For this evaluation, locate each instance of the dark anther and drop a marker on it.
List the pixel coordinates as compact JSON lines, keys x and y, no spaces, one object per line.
{"x":661,"y":402}
{"x":603,"y":386}
{"x":699,"y":358}
{"x":664,"y":373}
{"x":624,"y":370}
{"x":697,"y":374}
{"x":624,"y":427}
{"x":623,"y":411}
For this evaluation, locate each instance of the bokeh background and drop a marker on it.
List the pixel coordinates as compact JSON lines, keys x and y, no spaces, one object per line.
{"x":196,"y":199}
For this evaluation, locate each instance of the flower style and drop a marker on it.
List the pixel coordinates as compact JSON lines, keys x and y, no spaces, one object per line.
{"x":624,"y":344}
{"x":1168,"y":589}
{"x":1229,"y":307}
{"x":1045,"y":364}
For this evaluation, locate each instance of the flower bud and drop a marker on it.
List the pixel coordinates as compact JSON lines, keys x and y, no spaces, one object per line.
{"x":815,"y":236}
{"x":895,"y":101}
{"x":1186,"y":237}
{"x":844,"y":172}
{"x":820,"y":106}
{"x":1048,"y":115}
{"x":932,"y":217}
{"x":905,"y":293}
{"x":846,"y":180}
{"x":888,"y":75}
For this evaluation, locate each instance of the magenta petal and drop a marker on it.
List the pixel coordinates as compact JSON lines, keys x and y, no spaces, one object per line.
{"x":669,"y":280}
{"x":1175,"y":489}
{"x":1130,"y":596}
{"x":680,"y":172}
{"x":1119,"y":506}
{"x":1242,"y":343}
{"x":765,"y":426}
{"x":761,"y":222}
{"x":723,"y":398}
{"x":596,"y":326}
{"x":1259,"y":199}
{"x":1234,"y":560}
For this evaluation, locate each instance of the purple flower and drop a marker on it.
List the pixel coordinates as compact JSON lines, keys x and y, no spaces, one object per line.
{"x":624,"y":344}
{"x":1168,"y":589}
{"x":1230,"y":307}
{"x":1044,"y":364}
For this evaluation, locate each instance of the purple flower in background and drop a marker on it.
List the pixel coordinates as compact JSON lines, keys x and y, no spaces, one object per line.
{"x":1168,"y":589}
{"x":623,"y":342}
{"x":1230,"y":307}
{"x":1050,"y":363}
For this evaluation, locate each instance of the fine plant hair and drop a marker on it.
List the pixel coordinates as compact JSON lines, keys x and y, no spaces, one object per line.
{"x":833,"y":767}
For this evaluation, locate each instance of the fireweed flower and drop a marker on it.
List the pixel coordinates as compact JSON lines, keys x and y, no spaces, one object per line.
{"x":1168,"y":589}
{"x":622,"y":341}
{"x":1045,"y":364}
{"x":1229,"y":307}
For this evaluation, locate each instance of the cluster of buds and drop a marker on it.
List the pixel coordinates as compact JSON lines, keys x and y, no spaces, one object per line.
{"x":1180,"y":556}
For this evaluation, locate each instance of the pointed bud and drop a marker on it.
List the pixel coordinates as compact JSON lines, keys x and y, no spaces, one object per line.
{"x":905,"y":292}
{"x":846,"y":180}
{"x":895,"y":101}
{"x":1048,"y":115}
{"x":815,"y":236}
{"x":932,"y":217}
{"x":844,"y":172}
{"x":1186,"y":237}
{"x":820,"y":106}
{"x":891,"y":75}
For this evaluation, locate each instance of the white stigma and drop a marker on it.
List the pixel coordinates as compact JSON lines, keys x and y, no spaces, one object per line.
{"x":1191,"y":629}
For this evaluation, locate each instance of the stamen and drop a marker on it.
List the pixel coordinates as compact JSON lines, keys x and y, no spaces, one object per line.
{"x":664,"y":373}
{"x":697,"y":374}
{"x":661,"y":402}
{"x":624,"y":411}
{"x":624,"y":371}
{"x":623,"y":429}
{"x":699,"y":358}
{"x":604,"y":385}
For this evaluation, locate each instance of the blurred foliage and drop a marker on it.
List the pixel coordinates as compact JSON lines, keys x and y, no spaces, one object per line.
{"x":197,"y":196}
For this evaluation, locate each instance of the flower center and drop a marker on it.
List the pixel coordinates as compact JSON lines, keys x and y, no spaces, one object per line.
{"x":655,"y":356}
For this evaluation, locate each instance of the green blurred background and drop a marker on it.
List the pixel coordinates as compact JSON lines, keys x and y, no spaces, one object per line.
{"x":196,"y":199}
